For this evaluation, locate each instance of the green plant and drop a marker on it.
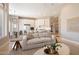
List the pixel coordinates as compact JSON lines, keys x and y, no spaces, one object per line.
{"x":54,"y":45}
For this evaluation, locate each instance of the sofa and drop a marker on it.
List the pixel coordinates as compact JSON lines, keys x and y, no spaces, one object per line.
{"x":37,"y":39}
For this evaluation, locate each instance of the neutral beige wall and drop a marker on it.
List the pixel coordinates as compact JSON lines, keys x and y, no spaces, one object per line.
{"x":68,"y":12}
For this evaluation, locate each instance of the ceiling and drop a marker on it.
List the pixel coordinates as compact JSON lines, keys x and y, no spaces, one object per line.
{"x":37,"y":10}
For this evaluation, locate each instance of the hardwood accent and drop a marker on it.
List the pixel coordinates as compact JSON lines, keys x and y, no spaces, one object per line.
{"x":54,"y":24}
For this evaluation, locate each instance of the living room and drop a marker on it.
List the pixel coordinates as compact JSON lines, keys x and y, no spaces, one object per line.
{"x":31,"y":28}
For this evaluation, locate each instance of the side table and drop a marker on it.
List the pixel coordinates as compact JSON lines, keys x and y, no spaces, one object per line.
{"x":17,"y":43}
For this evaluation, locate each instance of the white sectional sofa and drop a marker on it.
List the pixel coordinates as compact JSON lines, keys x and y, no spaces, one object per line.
{"x":39,"y":39}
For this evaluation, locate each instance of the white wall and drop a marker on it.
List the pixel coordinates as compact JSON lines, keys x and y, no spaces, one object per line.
{"x":36,"y":10}
{"x":68,"y":12}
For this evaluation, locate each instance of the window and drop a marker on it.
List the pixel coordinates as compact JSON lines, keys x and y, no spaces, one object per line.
{"x":1,"y":18}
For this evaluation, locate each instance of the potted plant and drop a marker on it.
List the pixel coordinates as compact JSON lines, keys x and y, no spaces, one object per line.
{"x":53,"y":46}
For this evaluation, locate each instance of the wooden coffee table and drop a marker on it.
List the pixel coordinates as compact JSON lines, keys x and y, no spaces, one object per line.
{"x":62,"y":51}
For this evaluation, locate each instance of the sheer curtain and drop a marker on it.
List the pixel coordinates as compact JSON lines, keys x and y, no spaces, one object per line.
{"x":1,"y":19}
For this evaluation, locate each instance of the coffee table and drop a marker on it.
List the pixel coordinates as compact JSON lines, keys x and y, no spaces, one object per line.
{"x":64,"y":50}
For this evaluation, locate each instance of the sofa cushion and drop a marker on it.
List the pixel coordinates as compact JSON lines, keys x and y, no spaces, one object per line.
{"x":44,"y":34}
{"x":36,"y":35}
{"x":39,"y":40}
{"x":29,"y":36}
